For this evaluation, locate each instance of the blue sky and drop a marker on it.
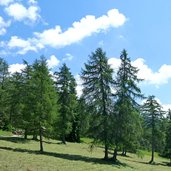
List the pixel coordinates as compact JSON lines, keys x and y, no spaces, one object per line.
{"x":69,"y":30}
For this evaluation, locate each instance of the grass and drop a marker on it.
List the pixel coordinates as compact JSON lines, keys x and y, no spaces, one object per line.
{"x":16,"y":154}
{"x":5,"y":133}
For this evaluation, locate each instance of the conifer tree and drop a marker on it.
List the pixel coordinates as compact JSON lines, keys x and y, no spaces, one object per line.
{"x":126,"y":116}
{"x":97,"y":79}
{"x":16,"y":100}
{"x":44,"y":98}
{"x":28,"y":99}
{"x":65,"y":85}
{"x":168,"y":136}
{"x":153,"y":114}
{"x":4,"y":95}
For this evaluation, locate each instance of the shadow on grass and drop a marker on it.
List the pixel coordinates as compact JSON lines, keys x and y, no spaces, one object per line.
{"x":147,"y":162}
{"x":14,"y":139}
{"x":71,"y":157}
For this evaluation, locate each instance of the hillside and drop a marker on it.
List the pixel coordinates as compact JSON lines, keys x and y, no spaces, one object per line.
{"x":16,"y":154}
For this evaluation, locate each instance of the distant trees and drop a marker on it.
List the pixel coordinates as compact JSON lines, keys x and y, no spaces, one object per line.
{"x":167,"y":150}
{"x":153,"y":114}
{"x":97,"y":81}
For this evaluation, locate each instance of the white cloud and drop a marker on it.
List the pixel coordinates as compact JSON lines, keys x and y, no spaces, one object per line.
{"x":79,"y":87}
{"x":24,"y":46}
{"x":21,"y":13}
{"x":5,"y":2}
{"x":3,"y":26}
{"x":53,"y":61}
{"x":85,"y":27}
{"x":158,"y":78}
{"x":114,"y":63}
{"x":16,"y":68}
{"x":166,"y":107}
{"x":54,"y":37}
{"x":68,"y":57}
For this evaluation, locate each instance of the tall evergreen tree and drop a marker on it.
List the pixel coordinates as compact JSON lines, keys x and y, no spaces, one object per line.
{"x":97,"y":79}
{"x":65,"y":85}
{"x":4,"y":95}
{"x":44,"y":97}
{"x":167,"y":151}
{"x":126,"y":117}
{"x":153,"y":114}
{"x":28,"y":99}
{"x":16,"y":100}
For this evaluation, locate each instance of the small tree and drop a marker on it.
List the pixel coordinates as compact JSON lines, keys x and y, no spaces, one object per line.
{"x":153,"y":114}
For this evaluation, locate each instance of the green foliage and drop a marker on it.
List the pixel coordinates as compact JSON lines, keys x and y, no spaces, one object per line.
{"x":44,"y":96}
{"x":97,"y":79}
{"x":67,"y":121}
{"x":127,"y":128}
{"x":153,"y":115}
{"x":4,"y":96}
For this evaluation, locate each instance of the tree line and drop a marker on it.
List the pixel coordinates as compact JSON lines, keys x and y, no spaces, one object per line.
{"x":42,"y":104}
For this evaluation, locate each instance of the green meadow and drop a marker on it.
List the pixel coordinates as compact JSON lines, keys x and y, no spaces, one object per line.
{"x":17,"y":154}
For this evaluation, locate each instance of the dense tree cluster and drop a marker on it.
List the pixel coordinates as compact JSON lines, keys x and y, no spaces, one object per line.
{"x":46,"y":105}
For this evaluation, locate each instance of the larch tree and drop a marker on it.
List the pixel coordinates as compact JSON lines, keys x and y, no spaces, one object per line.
{"x":126,"y":115}
{"x":65,"y":87}
{"x":44,"y":98}
{"x":153,"y":114}
{"x":5,"y":118}
{"x":16,"y":100}
{"x":97,"y":81}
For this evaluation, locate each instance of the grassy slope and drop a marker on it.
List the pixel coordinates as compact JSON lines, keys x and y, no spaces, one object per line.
{"x":19,"y":155}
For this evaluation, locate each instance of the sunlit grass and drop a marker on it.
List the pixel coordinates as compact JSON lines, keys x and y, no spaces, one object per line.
{"x":17,"y":154}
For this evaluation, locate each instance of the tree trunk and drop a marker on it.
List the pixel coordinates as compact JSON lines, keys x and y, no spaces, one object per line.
{"x":115,"y":154}
{"x":106,"y":152}
{"x":25,"y":134}
{"x":63,"y":139}
{"x":34,"y":135}
{"x":41,"y":139}
{"x":124,"y":152}
{"x":152,"y":141}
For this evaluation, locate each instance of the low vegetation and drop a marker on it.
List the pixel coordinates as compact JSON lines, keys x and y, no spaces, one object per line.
{"x":18,"y":154}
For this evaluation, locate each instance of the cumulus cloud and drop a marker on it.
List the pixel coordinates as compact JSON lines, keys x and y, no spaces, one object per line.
{"x":57,"y":38}
{"x":158,"y":78}
{"x":68,"y":57}
{"x":24,"y":46}
{"x":3,"y":26}
{"x":88,"y":25}
{"x":114,"y":63}
{"x":53,"y":61}
{"x":5,"y":2}
{"x":79,"y":87}
{"x":16,"y":68}
{"x":20,"y":13}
